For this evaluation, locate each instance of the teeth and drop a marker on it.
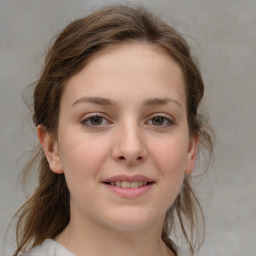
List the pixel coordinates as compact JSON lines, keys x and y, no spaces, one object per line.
{"x":134,"y":184}
{"x":119,"y":184}
{"x":127,"y":184}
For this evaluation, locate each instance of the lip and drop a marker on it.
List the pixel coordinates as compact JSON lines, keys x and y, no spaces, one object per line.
{"x":128,"y":178}
{"x":129,"y":192}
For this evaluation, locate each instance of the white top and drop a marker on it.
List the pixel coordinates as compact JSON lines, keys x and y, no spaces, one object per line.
{"x":52,"y":248}
{"x":49,"y":248}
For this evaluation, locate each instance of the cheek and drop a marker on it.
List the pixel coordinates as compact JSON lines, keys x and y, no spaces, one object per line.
{"x":171,"y":154}
{"x":82,"y":161}
{"x":82,"y":158}
{"x":170,"y":160}
{"x":172,"y":176}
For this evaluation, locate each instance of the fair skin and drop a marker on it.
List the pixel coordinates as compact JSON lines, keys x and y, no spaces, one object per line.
{"x":123,"y":114}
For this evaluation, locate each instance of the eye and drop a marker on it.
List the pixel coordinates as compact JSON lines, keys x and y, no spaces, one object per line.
{"x":95,"y":120}
{"x":160,"y":121}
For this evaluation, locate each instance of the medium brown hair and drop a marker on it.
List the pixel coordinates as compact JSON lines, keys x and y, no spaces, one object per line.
{"x":46,"y":213}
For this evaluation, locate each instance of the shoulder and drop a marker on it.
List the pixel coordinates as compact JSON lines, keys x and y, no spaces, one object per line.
{"x":180,"y":252}
{"x":49,"y":248}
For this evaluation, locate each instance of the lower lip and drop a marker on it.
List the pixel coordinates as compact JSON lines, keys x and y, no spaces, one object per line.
{"x":129,"y":192}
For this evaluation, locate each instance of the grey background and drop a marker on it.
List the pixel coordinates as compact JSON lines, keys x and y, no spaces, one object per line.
{"x":222,"y":34}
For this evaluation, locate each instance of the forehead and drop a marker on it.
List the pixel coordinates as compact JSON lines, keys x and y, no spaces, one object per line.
{"x":135,"y":66}
{"x":135,"y":51}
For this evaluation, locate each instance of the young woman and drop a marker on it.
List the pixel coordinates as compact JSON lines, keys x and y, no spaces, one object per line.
{"x":116,"y":111}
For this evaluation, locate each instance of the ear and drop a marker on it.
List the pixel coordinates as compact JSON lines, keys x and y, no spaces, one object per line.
{"x":192,"y":154}
{"x":51,"y":149}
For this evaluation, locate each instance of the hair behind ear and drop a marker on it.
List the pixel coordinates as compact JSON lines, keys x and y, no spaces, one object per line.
{"x":38,"y":218}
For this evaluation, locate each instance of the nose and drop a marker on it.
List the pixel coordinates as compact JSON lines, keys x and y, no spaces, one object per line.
{"x":129,"y":147}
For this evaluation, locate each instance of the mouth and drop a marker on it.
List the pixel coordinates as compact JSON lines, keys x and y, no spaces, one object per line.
{"x":128,"y":184}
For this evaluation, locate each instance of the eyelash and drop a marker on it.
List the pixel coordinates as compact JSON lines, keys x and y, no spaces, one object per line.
{"x":166,"y":121}
{"x":89,"y":119}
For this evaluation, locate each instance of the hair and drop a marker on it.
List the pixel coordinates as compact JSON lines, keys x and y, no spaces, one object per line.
{"x":46,"y":213}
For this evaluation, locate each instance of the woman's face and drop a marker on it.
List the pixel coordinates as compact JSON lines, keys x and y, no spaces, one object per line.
{"x":123,"y":139}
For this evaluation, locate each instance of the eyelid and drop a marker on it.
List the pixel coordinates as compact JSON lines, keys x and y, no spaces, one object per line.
{"x":87,"y":117}
{"x":170,"y":119}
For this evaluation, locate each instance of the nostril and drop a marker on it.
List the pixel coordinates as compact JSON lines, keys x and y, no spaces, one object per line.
{"x":130,"y":160}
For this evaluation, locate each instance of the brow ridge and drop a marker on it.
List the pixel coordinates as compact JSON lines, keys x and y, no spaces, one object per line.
{"x":108,"y":102}
{"x":95,"y":100}
{"x":160,"y":101}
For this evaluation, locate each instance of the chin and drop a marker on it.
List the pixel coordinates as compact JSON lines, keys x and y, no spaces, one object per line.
{"x":132,"y":221}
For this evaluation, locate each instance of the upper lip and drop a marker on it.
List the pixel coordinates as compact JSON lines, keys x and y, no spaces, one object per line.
{"x":128,"y":178}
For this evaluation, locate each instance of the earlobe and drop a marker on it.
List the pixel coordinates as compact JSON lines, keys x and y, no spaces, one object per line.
{"x":51,"y":149}
{"x":192,"y":154}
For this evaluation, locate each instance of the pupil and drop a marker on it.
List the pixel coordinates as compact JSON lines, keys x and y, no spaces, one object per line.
{"x":96,"y":120}
{"x":158,"y":120}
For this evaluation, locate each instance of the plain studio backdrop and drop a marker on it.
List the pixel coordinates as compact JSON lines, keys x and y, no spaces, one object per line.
{"x":222,"y":35}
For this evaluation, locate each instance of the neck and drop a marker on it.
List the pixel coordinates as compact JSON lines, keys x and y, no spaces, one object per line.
{"x":93,"y":239}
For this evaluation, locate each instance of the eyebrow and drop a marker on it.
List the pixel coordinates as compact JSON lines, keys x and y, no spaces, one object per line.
{"x":95,"y":100}
{"x":108,"y":102}
{"x":160,"y":101}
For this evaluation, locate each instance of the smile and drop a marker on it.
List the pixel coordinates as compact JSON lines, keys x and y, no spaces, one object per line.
{"x":127,"y":184}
